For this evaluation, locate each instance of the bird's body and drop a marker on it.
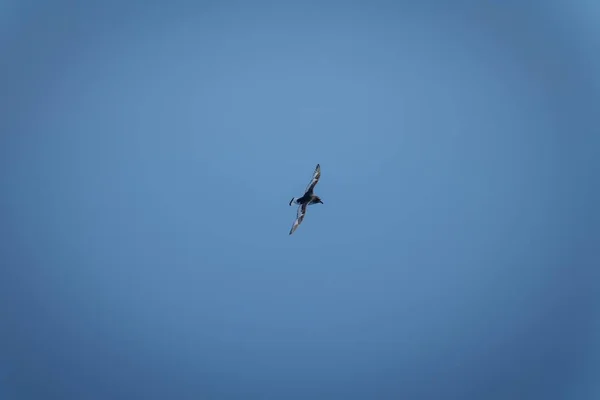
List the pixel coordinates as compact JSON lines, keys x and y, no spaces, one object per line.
{"x":307,"y":199}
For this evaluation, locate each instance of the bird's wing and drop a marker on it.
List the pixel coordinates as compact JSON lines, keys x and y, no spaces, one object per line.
{"x":299,"y":217}
{"x":314,"y":180}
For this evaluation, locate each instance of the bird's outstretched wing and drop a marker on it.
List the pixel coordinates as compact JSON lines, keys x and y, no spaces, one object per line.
{"x":314,"y":180}
{"x":299,"y":217}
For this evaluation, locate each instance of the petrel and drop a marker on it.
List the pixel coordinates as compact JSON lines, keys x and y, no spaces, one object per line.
{"x":307,"y":199}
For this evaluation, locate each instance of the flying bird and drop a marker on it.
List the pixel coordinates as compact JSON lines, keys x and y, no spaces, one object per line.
{"x":307,"y":199}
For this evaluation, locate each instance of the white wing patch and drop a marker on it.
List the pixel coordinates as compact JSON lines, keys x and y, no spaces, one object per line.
{"x":299,"y":217}
{"x":315,"y":179}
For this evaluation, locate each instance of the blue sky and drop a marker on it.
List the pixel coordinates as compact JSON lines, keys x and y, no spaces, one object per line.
{"x":149,"y":151}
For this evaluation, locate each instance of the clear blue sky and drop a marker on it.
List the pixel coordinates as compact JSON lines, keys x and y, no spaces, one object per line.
{"x":148,"y":152}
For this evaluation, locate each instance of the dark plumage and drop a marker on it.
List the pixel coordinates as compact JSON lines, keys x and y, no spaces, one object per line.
{"x":307,"y":199}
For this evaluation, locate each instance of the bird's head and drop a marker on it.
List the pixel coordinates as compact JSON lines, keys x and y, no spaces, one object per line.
{"x":318,"y":200}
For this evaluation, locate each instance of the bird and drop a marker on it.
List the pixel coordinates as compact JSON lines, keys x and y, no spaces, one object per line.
{"x":307,"y":199}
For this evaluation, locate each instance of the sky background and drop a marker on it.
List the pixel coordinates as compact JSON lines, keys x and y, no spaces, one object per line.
{"x":148,"y":152}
